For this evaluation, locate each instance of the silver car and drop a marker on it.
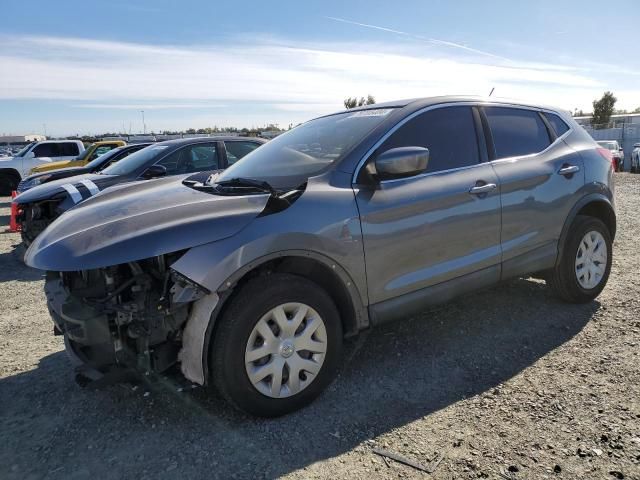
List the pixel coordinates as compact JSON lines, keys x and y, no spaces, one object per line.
{"x":635,"y":158}
{"x":250,"y":280}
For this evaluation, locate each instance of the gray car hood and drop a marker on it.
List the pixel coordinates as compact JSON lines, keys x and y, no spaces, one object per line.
{"x":139,"y":220}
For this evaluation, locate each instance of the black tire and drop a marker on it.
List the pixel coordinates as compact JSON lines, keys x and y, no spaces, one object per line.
{"x":563,"y":278}
{"x":8,"y":183}
{"x":227,"y":354}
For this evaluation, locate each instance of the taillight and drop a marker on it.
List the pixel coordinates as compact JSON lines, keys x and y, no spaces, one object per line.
{"x":607,"y":155}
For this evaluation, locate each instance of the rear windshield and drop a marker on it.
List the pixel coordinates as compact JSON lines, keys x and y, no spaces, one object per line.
{"x":136,"y":160}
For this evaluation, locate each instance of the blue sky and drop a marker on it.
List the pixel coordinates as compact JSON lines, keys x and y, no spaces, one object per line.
{"x":87,"y":67}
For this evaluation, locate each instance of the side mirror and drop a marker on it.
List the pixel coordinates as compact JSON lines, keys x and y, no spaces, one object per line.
{"x":30,"y":155}
{"x":399,"y":162}
{"x":154,"y":171}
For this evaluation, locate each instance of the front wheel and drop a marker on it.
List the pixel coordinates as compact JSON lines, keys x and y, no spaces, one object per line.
{"x":277,"y":345}
{"x":583,"y":269}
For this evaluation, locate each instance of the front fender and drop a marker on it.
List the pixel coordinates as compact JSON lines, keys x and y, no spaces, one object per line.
{"x":323,"y":225}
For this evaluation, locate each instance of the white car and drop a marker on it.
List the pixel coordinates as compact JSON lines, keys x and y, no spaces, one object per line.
{"x":13,"y":169}
{"x":635,"y":158}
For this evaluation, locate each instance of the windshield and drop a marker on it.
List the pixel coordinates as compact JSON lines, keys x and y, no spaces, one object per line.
{"x":85,"y":154}
{"x":24,"y":150}
{"x":291,"y":158}
{"x":96,"y":162}
{"x":136,"y":160}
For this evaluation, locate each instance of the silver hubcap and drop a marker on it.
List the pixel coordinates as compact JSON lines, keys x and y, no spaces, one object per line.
{"x":285,"y":350}
{"x":591,"y":260}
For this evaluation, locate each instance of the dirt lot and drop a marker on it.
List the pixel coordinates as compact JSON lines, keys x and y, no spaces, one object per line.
{"x":507,"y":383}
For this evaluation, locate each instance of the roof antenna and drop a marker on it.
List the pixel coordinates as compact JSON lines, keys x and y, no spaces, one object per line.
{"x":491,"y":92}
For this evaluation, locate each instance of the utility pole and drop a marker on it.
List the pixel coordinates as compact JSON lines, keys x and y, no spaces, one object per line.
{"x":144,"y":125}
{"x":45,"y":129}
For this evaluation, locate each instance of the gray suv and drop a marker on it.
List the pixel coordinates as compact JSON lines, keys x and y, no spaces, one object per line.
{"x":249,"y":280}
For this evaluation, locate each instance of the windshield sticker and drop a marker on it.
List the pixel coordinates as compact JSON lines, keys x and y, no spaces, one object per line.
{"x":380,"y":112}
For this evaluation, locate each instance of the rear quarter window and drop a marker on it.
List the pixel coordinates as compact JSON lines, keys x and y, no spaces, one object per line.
{"x":516,"y":132}
{"x":559,"y":125}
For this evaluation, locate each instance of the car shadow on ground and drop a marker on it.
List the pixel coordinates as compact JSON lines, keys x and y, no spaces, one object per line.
{"x":394,"y":375}
{"x":15,"y":268}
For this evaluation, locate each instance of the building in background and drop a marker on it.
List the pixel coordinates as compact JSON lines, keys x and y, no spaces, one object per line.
{"x":20,"y":139}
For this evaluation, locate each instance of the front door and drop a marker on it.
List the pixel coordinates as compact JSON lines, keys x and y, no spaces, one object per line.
{"x":438,"y":226}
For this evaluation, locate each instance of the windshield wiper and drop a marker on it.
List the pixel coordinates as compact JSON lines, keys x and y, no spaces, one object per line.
{"x":241,"y":182}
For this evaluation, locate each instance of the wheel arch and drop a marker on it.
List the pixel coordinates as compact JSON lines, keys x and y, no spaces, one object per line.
{"x":11,"y":171}
{"x":318,"y":268}
{"x":594,"y":205}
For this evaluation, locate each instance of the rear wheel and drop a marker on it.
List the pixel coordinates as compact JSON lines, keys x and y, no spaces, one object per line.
{"x":277,"y":345}
{"x":584,"y":267}
{"x":8,"y":183}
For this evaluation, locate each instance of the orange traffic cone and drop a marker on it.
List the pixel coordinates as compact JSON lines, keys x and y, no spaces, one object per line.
{"x":13,"y":223}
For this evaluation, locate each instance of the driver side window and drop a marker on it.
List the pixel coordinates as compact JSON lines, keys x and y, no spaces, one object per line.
{"x":449,"y":133}
{"x":172,"y":162}
{"x":191,"y":159}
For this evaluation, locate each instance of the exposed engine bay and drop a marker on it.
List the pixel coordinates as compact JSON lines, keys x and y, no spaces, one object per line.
{"x":129,"y":316}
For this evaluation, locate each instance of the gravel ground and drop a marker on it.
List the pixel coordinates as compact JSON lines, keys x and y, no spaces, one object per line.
{"x":508,"y":383}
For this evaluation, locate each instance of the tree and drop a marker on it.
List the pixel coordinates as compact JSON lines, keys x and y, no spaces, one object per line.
{"x":603,"y":109}
{"x":354,"y":102}
{"x":637,"y":110}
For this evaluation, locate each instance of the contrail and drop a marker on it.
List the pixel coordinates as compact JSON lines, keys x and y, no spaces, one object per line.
{"x":433,"y":41}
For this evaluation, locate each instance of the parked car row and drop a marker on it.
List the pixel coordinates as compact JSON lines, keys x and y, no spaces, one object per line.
{"x":60,"y":190}
{"x":14,"y":169}
{"x":249,"y":279}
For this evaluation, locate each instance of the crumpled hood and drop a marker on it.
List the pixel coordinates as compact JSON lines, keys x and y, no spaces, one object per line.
{"x":139,"y":220}
{"x":55,"y":187}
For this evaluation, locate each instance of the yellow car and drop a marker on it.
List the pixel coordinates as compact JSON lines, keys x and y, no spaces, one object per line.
{"x":91,"y":153}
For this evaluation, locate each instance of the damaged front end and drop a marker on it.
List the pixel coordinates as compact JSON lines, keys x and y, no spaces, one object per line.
{"x":34,"y":217}
{"x":123,"y":318}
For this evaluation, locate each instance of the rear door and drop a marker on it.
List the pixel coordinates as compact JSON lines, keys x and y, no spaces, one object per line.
{"x":539,"y":176}
{"x":437,"y":226}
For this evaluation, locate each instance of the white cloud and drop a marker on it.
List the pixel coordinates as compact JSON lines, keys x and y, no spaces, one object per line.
{"x":147,"y":106}
{"x":269,"y":79}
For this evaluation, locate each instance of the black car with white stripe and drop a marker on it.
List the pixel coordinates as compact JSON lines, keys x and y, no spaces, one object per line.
{"x":97,"y":164}
{"x":39,"y":206}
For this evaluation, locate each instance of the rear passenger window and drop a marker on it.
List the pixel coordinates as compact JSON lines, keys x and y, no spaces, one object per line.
{"x":557,"y":123}
{"x":237,"y":150}
{"x":516,"y":132}
{"x":449,"y":134}
{"x":68,"y":149}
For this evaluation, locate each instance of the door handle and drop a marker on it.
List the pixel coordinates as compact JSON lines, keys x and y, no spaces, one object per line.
{"x":480,"y":189}
{"x":569,"y":170}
